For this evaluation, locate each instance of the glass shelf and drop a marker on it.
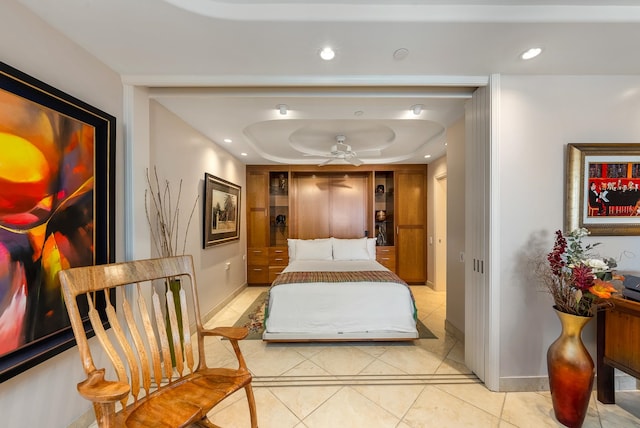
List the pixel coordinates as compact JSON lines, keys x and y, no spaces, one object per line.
{"x":383,"y":206}
{"x":278,"y":208}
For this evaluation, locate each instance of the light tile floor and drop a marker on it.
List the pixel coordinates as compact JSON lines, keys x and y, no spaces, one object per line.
{"x":378,"y":385}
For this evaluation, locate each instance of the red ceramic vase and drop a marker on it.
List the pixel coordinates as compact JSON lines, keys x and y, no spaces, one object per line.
{"x":571,"y":371}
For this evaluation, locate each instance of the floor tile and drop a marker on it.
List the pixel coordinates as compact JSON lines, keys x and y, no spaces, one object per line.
{"x":397,"y":399}
{"x":417,"y":384}
{"x":477,"y":395}
{"x":303,"y":400}
{"x":529,"y":410}
{"x":350,"y":409}
{"x":436,"y":408}
{"x":342,"y":360}
{"x":412,"y":360}
{"x":271,"y":412}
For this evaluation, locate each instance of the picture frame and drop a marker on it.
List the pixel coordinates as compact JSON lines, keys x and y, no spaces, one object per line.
{"x":62,"y":216}
{"x":221,"y":211}
{"x":603,"y":188}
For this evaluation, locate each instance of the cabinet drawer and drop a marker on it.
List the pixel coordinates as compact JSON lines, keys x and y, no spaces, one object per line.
{"x":258,"y":256}
{"x":274,"y":271}
{"x":257,"y":274}
{"x":386,"y":256}
{"x":388,"y":262}
{"x":279,"y":252}
{"x":385,"y":251}
{"x":278,"y":256}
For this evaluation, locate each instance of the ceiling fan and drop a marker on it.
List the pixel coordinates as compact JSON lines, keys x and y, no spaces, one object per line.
{"x":341,"y":151}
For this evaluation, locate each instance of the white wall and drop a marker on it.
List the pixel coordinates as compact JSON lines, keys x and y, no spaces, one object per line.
{"x":29,"y":45}
{"x":46,"y":394}
{"x":538,"y":117}
{"x":180,"y":152}
{"x":455,"y":226}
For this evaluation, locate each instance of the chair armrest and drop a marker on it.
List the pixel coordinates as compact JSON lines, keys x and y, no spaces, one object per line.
{"x":231,"y":333}
{"x":98,"y":390}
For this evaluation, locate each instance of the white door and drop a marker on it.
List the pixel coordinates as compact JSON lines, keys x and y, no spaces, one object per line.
{"x":482,"y":309}
{"x":440,"y":211}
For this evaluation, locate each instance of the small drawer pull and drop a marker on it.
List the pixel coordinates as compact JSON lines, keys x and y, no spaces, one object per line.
{"x":278,"y":260}
{"x":279,"y":251}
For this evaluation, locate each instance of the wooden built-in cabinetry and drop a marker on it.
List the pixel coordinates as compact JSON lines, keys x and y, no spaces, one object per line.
{"x":387,"y":202}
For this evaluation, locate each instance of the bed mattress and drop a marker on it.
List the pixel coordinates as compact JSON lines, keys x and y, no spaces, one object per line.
{"x":355,"y":310}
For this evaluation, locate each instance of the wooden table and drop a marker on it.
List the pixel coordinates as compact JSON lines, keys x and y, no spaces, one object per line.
{"x":618,"y":345}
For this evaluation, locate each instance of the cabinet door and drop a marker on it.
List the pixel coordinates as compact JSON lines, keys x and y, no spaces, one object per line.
{"x":410,"y":211}
{"x":348,"y":205}
{"x":257,"y":209}
{"x":312,"y":206}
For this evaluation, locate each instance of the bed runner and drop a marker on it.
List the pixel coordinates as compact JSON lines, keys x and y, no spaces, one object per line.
{"x":352,"y":276}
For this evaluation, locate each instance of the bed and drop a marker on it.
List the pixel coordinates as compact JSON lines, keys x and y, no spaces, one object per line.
{"x":334,"y":290}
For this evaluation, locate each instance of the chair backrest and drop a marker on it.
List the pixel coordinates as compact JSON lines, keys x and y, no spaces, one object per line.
{"x":139,"y":345}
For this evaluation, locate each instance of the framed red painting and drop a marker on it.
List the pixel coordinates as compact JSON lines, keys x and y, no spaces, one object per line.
{"x":603,"y":188}
{"x":56,"y":211}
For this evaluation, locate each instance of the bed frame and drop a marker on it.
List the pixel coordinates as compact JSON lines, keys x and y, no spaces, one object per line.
{"x":339,"y":337}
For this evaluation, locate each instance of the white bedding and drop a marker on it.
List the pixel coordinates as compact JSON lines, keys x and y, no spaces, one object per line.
{"x":340,"y":311}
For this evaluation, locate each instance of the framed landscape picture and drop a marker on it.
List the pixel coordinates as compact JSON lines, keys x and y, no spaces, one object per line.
{"x":221,"y":211}
{"x":56,"y":211}
{"x":603,"y":188}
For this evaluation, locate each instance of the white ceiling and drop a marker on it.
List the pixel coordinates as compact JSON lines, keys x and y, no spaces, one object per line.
{"x":224,"y":66}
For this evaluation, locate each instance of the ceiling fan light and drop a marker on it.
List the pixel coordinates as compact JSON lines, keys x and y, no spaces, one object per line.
{"x":283,"y":109}
{"x":417,"y":109}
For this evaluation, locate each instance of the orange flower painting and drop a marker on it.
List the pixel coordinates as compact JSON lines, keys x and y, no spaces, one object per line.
{"x":49,"y":203}
{"x":46,"y":215}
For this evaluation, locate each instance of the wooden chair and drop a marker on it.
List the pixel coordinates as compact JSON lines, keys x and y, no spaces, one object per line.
{"x":148,"y":390}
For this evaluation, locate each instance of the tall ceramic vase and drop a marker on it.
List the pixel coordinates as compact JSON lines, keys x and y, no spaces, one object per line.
{"x":571,"y":371}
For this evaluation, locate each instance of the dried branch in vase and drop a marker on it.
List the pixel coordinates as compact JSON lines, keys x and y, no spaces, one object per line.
{"x":164,"y":217}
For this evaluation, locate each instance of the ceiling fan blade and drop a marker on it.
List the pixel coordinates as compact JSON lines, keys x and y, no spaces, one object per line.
{"x":326,"y":162}
{"x":354,"y":161}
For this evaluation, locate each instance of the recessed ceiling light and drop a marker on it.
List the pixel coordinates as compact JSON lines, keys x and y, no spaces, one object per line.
{"x":243,"y":154}
{"x":427,"y":156}
{"x":531,"y":53}
{"x":327,"y":54}
{"x":227,"y":140}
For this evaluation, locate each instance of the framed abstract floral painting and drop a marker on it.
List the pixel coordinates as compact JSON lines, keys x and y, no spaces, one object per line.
{"x":56,"y":211}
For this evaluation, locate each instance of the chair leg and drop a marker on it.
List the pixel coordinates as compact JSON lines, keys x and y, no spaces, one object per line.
{"x":252,"y":406}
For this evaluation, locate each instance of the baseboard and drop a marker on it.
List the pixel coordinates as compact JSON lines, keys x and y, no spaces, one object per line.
{"x":454,"y":331}
{"x":622,"y":382}
{"x":524,"y":384}
{"x":210,"y":314}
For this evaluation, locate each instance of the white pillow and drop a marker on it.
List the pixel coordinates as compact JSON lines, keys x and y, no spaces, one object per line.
{"x":291,"y":243}
{"x":313,"y":249}
{"x":371,"y":247}
{"x":350,"y":249}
